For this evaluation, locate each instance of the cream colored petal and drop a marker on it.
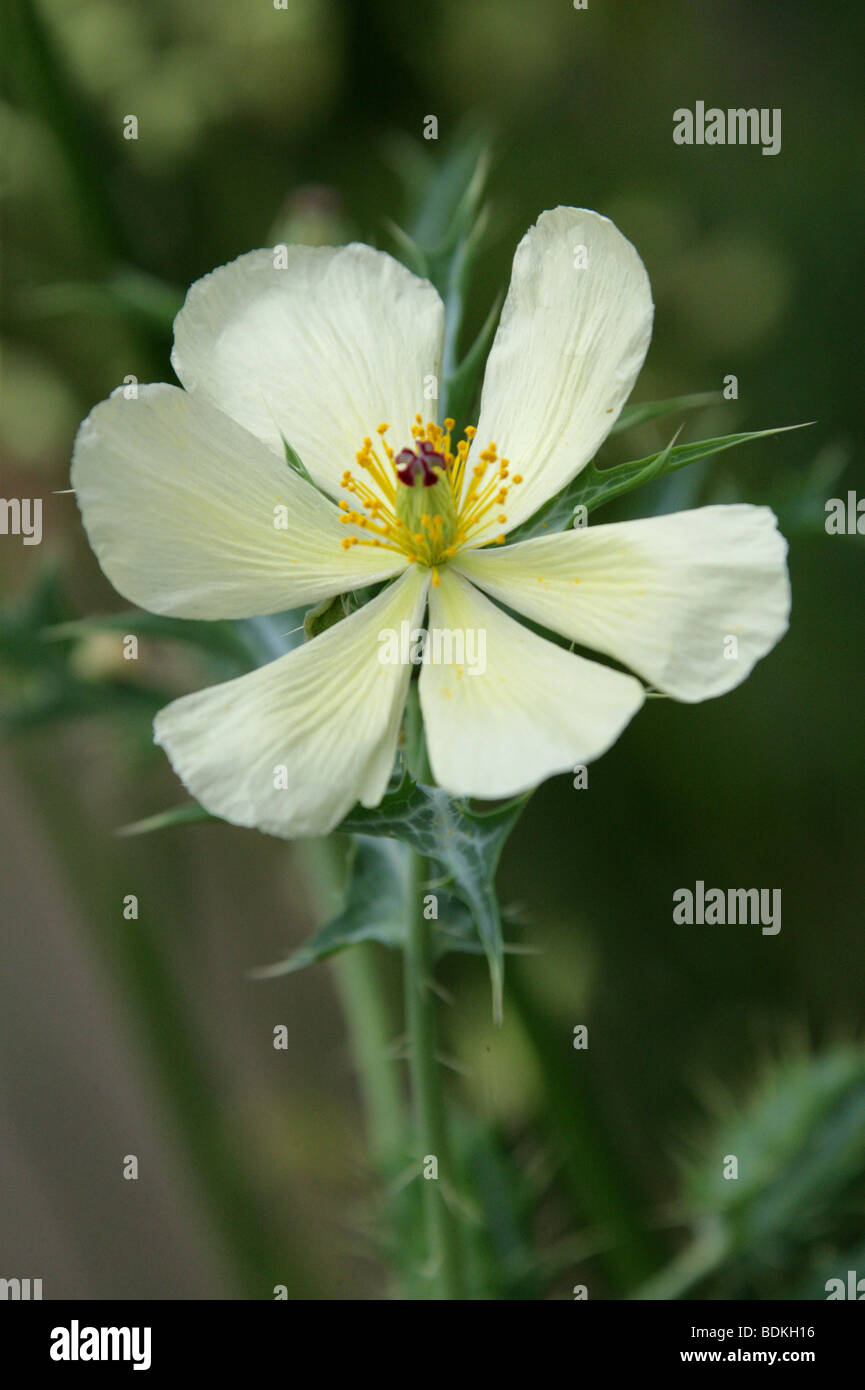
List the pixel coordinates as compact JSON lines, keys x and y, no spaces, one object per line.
{"x":528,"y":710}
{"x":189,"y":514}
{"x":569,"y":347}
{"x":320,"y":351}
{"x":690,"y":601}
{"x":293,"y":746}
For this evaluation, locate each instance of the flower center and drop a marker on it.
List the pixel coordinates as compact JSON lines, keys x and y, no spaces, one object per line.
{"x":429,"y":500}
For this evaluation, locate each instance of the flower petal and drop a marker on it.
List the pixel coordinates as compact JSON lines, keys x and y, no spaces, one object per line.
{"x":567,"y":352}
{"x":179,"y":505}
{"x":319,"y":352}
{"x":324,"y":719}
{"x":532,"y":711}
{"x":663,"y":595}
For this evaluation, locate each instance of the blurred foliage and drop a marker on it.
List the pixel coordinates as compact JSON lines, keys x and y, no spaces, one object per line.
{"x":794,"y":1203}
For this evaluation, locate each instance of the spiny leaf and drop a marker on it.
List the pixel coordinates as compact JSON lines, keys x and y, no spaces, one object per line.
{"x":461,"y":387}
{"x":447,"y":193}
{"x":445,"y":230}
{"x":377,"y":910}
{"x":593,"y":487}
{"x":800,"y":1142}
{"x":462,"y":845}
{"x":411,"y":255}
{"x":374,"y":910}
{"x":799,"y":1145}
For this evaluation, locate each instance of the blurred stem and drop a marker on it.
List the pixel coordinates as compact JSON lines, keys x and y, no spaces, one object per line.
{"x":429,"y":1110}
{"x":694,"y":1264}
{"x":40,"y":80}
{"x":370,"y":1030}
{"x":370,"y":1037}
{"x":590,"y":1169}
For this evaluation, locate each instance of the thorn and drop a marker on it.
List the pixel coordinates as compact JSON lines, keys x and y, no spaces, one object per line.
{"x":451,"y":1064}
{"x":439,"y":990}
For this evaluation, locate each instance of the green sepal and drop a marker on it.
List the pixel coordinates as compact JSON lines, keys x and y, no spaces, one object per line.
{"x":324,"y":615}
{"x":297,"y":465}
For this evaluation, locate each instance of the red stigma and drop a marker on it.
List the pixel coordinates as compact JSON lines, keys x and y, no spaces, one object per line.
{"x":412,"y":464}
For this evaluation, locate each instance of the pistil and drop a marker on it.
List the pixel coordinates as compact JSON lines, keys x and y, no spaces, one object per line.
{"x":427,"y":501}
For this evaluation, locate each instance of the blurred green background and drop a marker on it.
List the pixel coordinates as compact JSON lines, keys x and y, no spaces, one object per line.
{"x":259,"y":124}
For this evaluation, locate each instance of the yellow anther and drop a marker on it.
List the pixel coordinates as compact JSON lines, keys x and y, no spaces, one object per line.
{"x":458,"y":505}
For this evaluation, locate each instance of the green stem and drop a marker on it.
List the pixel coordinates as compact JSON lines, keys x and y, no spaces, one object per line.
{"x":591,"y":1170}
{"x":429,"y":1109}
{"x":371,"y":1038}
{"x":370,"y":1028}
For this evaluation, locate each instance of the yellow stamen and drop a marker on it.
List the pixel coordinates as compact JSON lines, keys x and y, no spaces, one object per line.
{"x":477,"y":485}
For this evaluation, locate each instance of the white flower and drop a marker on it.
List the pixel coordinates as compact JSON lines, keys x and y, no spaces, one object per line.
{"x":178,"y":491}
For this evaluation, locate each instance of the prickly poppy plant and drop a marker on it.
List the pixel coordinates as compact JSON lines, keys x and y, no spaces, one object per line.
{"x":402,"y":540}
